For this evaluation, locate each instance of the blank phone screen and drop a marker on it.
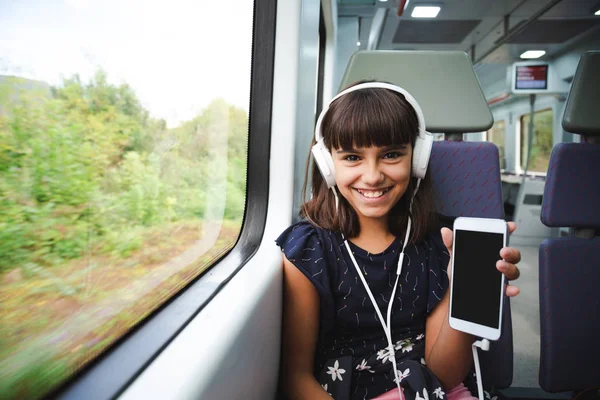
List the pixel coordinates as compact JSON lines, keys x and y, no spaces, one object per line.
{"x":475,"y":279}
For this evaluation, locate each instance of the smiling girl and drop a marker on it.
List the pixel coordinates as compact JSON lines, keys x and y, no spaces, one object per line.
{"x":365,"y":274}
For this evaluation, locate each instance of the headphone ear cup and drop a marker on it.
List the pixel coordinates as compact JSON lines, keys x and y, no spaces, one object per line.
{"x":324,"y":162}
{"x":421,"y":154}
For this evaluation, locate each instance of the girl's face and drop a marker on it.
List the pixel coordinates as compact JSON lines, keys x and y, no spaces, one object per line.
{"x":373,"y":179}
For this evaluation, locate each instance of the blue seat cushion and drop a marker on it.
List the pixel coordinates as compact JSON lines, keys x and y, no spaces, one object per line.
{"x":569,"y":314}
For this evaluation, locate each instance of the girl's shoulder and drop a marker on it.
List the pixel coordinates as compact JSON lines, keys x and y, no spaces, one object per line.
{"x":432,"y":240}
{"x":304,"y":236}
{"x":435,"y":235}
{"x":438,"y":259}
{"x":309,"y":249}
{"x":436,"y":243}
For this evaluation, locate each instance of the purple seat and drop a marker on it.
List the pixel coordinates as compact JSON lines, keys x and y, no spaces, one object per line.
{"x":466,"y":183}
{"x":570,"y":266}
{"x":466,"y":179}
{"x":569,"y":316}
{"x":572,"y":194}
{"x":570,"y":272}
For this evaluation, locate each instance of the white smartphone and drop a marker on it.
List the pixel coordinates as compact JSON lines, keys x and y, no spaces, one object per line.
{"x":477,"y":286}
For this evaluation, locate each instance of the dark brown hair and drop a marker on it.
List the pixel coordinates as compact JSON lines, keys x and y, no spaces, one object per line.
{"x":365,"y":118}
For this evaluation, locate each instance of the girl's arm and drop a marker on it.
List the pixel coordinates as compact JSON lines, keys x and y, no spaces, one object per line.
{"x":447,"y":351}
{"x":300,"y":334}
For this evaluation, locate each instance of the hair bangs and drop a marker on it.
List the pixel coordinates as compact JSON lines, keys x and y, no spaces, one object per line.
{"x":370,"y":117}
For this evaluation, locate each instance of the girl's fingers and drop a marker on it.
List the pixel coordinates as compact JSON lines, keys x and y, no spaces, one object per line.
{"x":512,"y":291}
{"x":510,"y":254}
{"x":509,"y":270}
{"x":511,"y":226}
{"x":447,"y":238}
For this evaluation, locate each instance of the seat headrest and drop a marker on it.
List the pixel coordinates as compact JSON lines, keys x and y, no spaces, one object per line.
{"x":443,"y":83}
{"x":581,"y":112}
{"x":571,"y":194}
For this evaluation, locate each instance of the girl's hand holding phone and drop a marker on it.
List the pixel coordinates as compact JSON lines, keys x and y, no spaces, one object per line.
{"x":510,"y":257}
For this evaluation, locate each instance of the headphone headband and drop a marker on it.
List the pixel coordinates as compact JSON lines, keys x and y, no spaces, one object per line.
{"x":372,"y":85}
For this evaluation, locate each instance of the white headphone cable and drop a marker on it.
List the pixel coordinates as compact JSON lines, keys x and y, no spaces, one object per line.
{"x":484,"y":345}
{"x":387,"y":327}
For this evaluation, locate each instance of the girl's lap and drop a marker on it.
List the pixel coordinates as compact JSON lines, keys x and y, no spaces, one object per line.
{"x":459,"y":392}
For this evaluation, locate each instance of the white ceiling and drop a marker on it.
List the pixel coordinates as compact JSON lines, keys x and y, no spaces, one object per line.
{"x":488,"y":28}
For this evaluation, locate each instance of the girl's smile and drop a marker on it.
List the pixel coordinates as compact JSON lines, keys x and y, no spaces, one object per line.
{"x":373,"y":193}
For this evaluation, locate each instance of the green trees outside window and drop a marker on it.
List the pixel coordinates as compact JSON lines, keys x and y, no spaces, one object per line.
{"x":105,"y":213}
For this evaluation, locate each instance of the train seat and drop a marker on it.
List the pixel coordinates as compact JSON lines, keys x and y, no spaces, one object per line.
{"x":569,"y":267}
{"x":466,"y":182}
{"x":465,"y":175}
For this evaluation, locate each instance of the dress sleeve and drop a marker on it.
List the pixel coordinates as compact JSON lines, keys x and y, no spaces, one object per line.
{"x":304,"y":246}
{"x":438,"y":260}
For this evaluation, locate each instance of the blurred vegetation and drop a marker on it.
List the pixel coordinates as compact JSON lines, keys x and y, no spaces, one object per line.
{"x":541,"y":142}
{"x":96,"y":192}
{"x":84,"y":167}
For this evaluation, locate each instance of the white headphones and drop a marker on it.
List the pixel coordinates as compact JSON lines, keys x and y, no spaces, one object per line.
{"x":421,"y":150}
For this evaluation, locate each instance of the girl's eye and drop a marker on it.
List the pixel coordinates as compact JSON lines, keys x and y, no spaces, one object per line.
{"x":351,"y":157}
{"x":392,"y":154}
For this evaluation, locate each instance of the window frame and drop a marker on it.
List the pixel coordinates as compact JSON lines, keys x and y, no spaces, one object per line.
{"x":114,"y":370}
{"x":519,"y":141}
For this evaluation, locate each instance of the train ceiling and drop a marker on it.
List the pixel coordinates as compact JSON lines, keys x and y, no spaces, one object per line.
{"x":491,"y":31}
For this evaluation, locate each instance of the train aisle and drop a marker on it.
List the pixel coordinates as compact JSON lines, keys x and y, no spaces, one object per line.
{"x":526,"y":321}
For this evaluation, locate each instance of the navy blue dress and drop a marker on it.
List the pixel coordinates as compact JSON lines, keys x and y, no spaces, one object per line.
{"x":352,"y":360}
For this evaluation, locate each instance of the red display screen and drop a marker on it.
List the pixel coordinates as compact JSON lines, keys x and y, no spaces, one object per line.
{"x":531,"y":77}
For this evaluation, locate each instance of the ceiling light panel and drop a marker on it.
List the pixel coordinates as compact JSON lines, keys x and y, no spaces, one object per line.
{"x":425,"y":11}
{"x":529,"y":54}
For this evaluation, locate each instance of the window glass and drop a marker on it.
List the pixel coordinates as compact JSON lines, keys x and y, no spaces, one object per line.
{"x":496,"y":135}
{"x":541,"y":147}
{"x":123,"y":146}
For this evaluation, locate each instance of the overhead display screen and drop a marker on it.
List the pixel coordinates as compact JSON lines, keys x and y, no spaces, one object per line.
{"x":529,"y":77}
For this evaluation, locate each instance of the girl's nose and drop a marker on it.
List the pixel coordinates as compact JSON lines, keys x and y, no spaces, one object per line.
{"x":372,"y":175}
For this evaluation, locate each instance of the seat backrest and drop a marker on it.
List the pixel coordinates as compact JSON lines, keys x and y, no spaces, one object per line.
{"x":570,"y":266}
{"x":466,"y":182}
{"x":466,"y":179}
{"x":465,"y":175}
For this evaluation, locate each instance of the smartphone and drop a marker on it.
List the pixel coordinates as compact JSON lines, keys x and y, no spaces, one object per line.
{"x":477,"y":287}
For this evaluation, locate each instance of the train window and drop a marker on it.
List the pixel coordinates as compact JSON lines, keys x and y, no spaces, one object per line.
{"x":496,"y":135}
{"x":541,"y":147}
{"x":123,"y":147}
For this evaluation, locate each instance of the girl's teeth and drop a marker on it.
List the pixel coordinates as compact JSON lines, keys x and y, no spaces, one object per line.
{"x":372,"y":194}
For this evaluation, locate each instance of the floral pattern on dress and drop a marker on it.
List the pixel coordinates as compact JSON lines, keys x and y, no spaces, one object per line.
{"x":352,"y":358}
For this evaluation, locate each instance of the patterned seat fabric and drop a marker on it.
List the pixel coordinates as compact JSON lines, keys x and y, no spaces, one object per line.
{"x":570,"y":266}
{"x":466,"y":179}
{"x":572,"y":194}
{"x":466,"y":183}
